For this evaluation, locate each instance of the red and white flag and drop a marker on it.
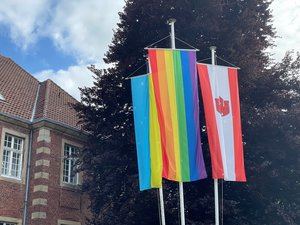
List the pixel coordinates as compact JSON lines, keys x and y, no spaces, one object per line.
{"x":219,"y":86}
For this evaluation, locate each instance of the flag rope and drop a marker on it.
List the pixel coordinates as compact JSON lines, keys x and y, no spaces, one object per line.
{"x":186,"y":43}
{"x":148,"y":46}
{"x":158,"y":41}
{"x":203,"y":60}
{"x":227,"y":62}
{"x":128,"y":77}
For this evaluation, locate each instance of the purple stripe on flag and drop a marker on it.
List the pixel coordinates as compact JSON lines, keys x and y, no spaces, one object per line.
{"x":193,"y":74}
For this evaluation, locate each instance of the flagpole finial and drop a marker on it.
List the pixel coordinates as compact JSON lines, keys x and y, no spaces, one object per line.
{"x":213,"y":48}
{"x":213,"y":54}
{"x":171,"y":20}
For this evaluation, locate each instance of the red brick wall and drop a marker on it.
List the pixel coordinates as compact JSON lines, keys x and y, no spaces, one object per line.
{"x":62,"y":202}
{"x":11,"y":199}
{"x":11,"y":192}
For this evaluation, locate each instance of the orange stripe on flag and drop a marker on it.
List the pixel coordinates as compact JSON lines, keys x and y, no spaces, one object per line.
{"x":155,"y":77}
{"x":166,"y":110}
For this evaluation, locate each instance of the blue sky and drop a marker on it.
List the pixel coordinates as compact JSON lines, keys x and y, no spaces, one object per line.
{"x":43,"y":55}
{"x":58,"y":39}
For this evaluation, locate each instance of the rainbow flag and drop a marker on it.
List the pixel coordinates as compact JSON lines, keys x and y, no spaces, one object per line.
{"x":147,"y":132}
{"x":176,"y":95}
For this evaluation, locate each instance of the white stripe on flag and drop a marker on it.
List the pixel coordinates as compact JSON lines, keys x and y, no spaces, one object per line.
{"x":220,"y":89}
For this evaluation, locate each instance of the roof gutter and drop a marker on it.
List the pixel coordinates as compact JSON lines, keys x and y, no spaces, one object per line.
{"x":29,"y":123}
{"x":29,"y":159}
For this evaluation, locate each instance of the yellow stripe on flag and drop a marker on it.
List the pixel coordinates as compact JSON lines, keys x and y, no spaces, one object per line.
{"x":173,"y":106}
{"x":166,"y":113}
{"x":155,"y":141}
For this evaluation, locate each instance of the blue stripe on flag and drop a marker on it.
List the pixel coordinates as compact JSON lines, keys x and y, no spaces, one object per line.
{"x":140,"y":100}
{"x":189,"y":113}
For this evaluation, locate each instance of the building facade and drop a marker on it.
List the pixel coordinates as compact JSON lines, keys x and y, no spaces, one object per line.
{"x":39,"y":139}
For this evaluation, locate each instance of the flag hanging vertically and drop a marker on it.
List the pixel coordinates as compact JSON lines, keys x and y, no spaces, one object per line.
{"x":147,"y":133}
{"x":176,"y":93}
{"x":219,"y":86}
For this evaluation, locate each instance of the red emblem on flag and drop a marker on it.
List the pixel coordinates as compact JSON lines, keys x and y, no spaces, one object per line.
{"x":222,"y":106}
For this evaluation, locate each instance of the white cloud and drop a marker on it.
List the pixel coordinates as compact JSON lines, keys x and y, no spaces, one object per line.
{"x":84,"y":28}
{"x":25,"y":19}
{"x":70,"y":79}
{"x":80,"y":28}
{"x":286,"y":21}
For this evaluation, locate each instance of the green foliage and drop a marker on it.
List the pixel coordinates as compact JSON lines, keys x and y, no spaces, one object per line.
{"x":269,"y":94}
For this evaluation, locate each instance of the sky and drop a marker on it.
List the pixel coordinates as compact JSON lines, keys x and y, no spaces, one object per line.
{"x":58,"y":39}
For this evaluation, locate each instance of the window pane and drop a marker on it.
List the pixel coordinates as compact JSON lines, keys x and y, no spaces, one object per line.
{"x":73,"y":151}
{"x":18,"y":143}
{"x":69,"y":176}
{"x":72,"y":177}
{"x":67,"y":151}
{"x":4,"y":223}
{"x":18,"y":165}
{"x":15,"y":144}
{"x":7,"y":141}
{"x":5,"y":162}
{"x":12,"y":156}
{"x":66,"y":170}
{"x":15,"y":165}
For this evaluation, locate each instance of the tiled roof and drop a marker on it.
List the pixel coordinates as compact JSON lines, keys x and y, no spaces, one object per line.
{"x":20,"y":90}
{"x":55,"y":104}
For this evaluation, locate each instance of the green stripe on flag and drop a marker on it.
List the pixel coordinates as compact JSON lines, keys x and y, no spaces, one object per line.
{"x":183,"y":138}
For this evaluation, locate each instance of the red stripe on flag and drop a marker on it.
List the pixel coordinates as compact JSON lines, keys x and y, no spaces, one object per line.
{"x":237,"y":129}
{"x":211,"y":123}
{"x":153,"y":62}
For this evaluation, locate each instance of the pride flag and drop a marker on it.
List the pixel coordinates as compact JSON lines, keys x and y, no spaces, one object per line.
{"x":176,"y":94}
{"x":219,"y":85}
{"x":147,"y":133}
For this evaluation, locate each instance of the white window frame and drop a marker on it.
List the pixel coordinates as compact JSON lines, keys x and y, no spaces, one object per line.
{"x":10,"y":151}
{"x":70,"y":159}
{"x":67,"y":222}
{"x":7,"y":223}
{"x":8,"y":220}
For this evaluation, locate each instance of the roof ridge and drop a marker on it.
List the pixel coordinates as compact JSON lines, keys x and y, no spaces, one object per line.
{"x":2,"y":56}
{"x":47,"y":93}
{"x":35,"y":102}
{"x":50,"y":101}
{"x":63,"y":90}
{"x":16,"y":64}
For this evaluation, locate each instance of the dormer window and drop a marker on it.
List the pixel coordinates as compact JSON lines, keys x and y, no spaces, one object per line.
{"x":2,"y":98}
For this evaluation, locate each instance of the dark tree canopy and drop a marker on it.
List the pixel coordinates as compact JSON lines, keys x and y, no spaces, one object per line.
{"x":269,"y":93}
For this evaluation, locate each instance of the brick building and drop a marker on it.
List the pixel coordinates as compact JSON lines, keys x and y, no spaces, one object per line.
{"x":38,"y":138}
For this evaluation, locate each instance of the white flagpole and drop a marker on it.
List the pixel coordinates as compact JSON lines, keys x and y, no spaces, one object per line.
{"x":182,"y":217}
{"x":216,"y":190}
{"x":161,"y":196}
{"x":162,"y":207}
{"x":171,"y":22}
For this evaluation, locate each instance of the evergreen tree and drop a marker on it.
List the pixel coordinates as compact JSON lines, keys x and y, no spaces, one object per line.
{"x":242,"y":31}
